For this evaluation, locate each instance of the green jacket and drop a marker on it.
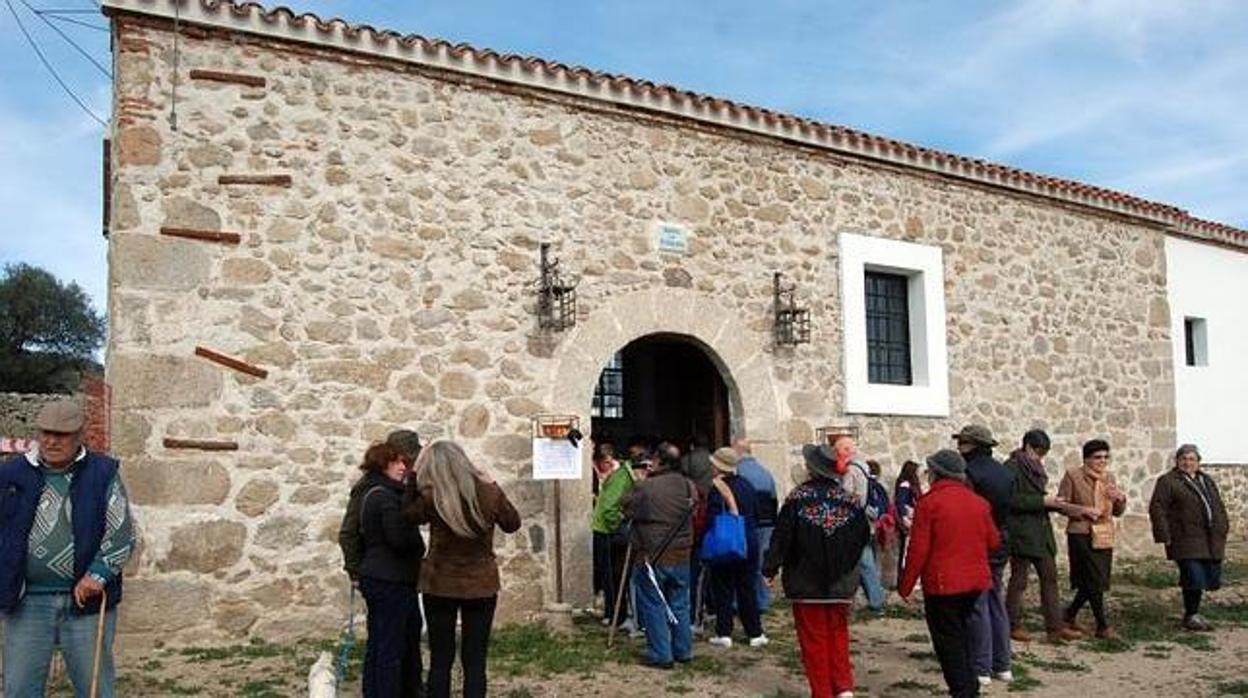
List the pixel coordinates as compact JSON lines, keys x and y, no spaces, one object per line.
{"x":1030,"y":532}
{"x":607,"y":512}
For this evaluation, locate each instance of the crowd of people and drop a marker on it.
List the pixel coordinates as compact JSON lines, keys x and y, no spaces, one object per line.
{"x":679,"y":538}
{"x":951,"y":533}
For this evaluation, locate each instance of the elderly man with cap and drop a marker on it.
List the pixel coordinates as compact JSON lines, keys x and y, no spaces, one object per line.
{"x":733,"y":582}
{"x":952,"y":536}
{"x":990,"y":623}
{"x":65,"y":534}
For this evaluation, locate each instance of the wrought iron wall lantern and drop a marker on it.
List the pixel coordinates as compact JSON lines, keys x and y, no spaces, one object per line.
{"x":556,"y":297}
{"x":792,"y":323}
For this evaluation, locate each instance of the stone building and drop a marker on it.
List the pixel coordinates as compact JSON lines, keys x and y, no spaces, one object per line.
{"x":320,"y":232}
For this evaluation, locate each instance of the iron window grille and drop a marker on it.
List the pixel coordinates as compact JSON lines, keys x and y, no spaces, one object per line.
{"x":888,"y":328}
{"x":609,"y":395}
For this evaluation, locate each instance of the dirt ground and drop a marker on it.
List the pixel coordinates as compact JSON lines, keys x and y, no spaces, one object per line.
{"x":892,"y":656}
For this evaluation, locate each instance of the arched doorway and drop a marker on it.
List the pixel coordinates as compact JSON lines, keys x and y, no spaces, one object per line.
{"x":663,"y":386}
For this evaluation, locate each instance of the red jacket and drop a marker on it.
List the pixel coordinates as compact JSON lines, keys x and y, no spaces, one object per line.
{"x":949,"y":543}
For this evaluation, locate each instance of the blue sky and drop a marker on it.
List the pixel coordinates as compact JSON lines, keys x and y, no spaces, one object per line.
{"x":1147,"y":97}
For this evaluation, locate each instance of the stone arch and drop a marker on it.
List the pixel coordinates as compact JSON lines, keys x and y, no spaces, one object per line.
{"x":739,"y":353}
{"x":735,"y":350}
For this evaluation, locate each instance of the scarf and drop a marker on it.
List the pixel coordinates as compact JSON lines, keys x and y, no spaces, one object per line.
{"x":1032,"y":466}
{"x":1196,"y":482}
{"x":1103,"y":527}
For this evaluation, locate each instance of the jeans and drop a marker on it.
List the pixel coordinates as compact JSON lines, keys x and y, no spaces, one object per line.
{"x":42,"y":621}
{"x":949,"y":621}
{"x":990,"y":629}
{"x":823,"y":635}
{"x":476,"y":616}
{"x":870,"y":574}
{"x":665,"y":642}
{"x":762,"y":541}
{"x":1050,"y":603}
{"x":392,"y":667}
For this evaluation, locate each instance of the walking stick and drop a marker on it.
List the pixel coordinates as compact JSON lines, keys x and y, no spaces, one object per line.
{"x":99,"y":645}
{"x":619,"y":595}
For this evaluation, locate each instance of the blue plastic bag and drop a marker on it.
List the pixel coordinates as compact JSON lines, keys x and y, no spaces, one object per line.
{"x":724,"y":540}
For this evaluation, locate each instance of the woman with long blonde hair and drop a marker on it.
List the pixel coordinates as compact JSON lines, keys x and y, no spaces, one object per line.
{"x":459,"y":578}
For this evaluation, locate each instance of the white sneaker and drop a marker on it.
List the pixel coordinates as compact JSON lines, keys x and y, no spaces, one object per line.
{"x":1004,"y":676}
{"x":628,"y":625}
{"x":721,"y":641}
{"x":845,"y":694}
{"x":985,"y":681}
{"x":760,"y":641}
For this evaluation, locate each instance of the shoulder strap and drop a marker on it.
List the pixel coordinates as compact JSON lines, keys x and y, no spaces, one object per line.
{"x":680,"y":523}
{"x":364,"y":501}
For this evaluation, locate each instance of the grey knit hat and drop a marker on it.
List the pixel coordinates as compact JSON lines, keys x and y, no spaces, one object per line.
{"x":947,"y":463}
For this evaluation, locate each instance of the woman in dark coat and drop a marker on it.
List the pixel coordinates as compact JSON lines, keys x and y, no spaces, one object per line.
{"x":388,"y":572}
{"x":1189,"y":518}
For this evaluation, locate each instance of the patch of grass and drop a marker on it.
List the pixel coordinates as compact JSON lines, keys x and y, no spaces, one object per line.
{"x":1226,"y":614}
{"x":256,"y":649}
{"x":1150,"y":654}
{"x":922,"y":655}
{"x":534,"y":649}
{"x":679,"y":688}
{"x":1023,"y":680}
{"x":701,"y":664}
{"x":912,"y":685}
{"x":1197,"y":641}
{"x":1116,"y":646}
{"x":1061,"y":664}
{"x":265,"y":688}
{"x":519,"y":692}
{"x":1148,"y":573}
{"x":1234,"y":571}
{"x":781,"y":693}
{"x":1233,"y":688}
{"x":917,"y":637}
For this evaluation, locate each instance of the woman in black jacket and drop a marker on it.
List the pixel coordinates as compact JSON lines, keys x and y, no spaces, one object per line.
{"x":819,"y":536}
{"x":388,"y":573}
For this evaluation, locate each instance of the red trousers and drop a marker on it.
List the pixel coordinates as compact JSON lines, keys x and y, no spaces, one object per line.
{"x":823,"y":633}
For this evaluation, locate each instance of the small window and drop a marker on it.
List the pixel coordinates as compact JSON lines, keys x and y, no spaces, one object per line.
{"x":1195,"y":342}
{"x":609,"y":395}
{"x":888,"y":328}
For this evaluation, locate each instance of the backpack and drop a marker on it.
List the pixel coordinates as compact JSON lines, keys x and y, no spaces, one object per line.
{"x":877,"y":503}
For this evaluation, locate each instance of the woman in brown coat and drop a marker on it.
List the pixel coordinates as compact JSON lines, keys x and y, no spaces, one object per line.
{"x":459,"y":578}
{"x":1189,"y":518}
{"x":1093,"y":501}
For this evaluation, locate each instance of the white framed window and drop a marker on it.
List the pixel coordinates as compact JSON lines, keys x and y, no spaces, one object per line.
{"x":926,"y":393}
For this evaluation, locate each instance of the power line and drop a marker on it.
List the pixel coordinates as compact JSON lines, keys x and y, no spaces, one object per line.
{"x":71,"y":42}
{"x":71,"y":20}
{"x":44,"y":60}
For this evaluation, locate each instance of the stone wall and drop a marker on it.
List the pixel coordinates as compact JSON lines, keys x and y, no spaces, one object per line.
{"x":390,"y":285}
{"x":1233,"y":485}
{"x":18,"y":412}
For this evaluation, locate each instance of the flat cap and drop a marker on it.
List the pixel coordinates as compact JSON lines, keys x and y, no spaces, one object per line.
{"x":63,"y":416}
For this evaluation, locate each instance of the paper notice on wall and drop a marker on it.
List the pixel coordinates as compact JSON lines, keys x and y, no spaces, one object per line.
{"x":556,"y":459}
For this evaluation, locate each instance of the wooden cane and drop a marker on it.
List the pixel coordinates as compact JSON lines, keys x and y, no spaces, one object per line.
{"x":99,"y":645}
{"x":619,"y":595}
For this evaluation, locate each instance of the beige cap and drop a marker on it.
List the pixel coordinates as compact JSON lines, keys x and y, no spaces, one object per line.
{"x":62,"y":416}
{"x":725,"y":459}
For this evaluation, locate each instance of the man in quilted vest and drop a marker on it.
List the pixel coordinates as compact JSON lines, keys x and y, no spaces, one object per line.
{"x":65,"y":534}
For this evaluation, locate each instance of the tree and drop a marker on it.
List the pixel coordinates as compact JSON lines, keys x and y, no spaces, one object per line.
{"x":49,"y":332}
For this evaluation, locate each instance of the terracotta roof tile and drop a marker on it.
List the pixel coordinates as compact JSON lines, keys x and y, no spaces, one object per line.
{"x":887,"y":148}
